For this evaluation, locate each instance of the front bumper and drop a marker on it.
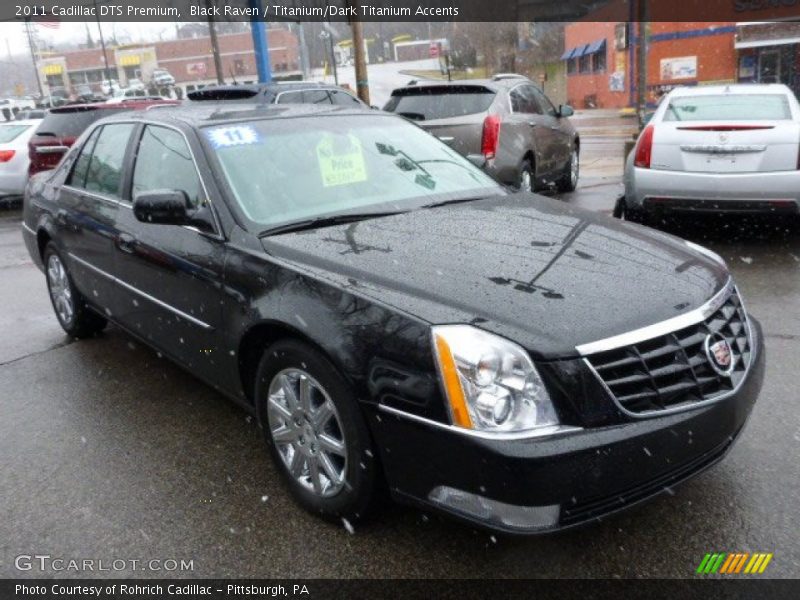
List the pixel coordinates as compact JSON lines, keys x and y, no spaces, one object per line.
{"x":678,"y":191}
{"x":550,"y":483}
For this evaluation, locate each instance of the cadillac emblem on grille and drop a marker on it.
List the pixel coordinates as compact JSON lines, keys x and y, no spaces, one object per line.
{"x":719,"y":354}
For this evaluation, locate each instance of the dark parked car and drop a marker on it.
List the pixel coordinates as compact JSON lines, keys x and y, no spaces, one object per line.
{"x":299,"y":92}
{"x":523,"y":138}
{"x":388,"y":311}
{"x":61,"y":126}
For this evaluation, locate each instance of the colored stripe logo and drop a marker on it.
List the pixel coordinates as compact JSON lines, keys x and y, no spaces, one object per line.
{"x":734,"y":563}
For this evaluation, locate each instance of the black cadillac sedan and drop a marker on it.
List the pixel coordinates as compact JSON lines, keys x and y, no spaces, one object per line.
{"x":392,"y":315}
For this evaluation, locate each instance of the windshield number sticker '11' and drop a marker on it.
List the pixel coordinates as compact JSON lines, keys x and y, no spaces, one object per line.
{"x":341,"y":160}
{"x":222,"y":137}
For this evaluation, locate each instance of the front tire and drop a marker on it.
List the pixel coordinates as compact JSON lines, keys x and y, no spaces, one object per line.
{"x":569,"y":180}
{"x":315,"y":431}
{"x":72,"y":311}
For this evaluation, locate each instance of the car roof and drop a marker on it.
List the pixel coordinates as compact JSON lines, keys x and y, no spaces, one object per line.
{"x":207,"y":113}
{"x":494,"y":85}
{"x":733,"y":88}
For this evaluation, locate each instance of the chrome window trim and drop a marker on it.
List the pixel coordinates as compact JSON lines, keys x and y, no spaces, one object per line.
{"x":119,"y":202}
{"x":27,"y":229}
{"x":542,"y":432}
{"x":144,"y":295}
{"x":662,"y":328}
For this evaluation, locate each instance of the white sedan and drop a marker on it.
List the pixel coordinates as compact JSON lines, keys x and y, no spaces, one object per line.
{"x":732,"y":148}
{"x":14,"y":138}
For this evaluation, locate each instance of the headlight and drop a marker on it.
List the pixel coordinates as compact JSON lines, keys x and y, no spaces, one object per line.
{"x":490,"y":383}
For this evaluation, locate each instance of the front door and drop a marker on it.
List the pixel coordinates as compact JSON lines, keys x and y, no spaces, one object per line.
{"x":769,"y":66}
{"x":172,"y":275}
{"x":531,"y":129}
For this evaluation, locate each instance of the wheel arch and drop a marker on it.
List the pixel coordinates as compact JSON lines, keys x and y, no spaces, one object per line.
{"x":257,"y":338}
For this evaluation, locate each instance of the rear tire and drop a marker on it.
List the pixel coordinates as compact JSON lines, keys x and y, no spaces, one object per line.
{"x":526,"y":181}
{"x":72,"y":310}
{"x":315,"y":431}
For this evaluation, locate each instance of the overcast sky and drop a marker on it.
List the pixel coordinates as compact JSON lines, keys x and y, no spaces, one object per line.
{"x":13,"y":36}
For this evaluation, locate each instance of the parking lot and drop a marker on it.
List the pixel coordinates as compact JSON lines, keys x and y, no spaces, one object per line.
{"x":108,"y":451}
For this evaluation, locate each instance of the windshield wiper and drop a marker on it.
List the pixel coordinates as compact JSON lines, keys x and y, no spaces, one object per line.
{"x":325,"y":222}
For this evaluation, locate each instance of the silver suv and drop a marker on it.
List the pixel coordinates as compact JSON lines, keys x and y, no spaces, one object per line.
{"x":506,"y":124}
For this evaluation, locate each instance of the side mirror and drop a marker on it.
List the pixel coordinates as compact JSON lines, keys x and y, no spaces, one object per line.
{"x":479,"y":160}
{"x":165,"y":207}
{"x":565,"y":110}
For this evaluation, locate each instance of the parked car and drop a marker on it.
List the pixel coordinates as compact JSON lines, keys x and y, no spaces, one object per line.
{"x":32,"y":114}
{"x":62,"y":125}
{"x":508,"y":122}
{"x":134,"y":83}
{"x":731,"y":148}
{"x":387,"y":310}
{"x":14,"y":138}
{"x":300,"y":92}
{"x":162,"y":77}
{"x":9,"y":107}
{"x":109,"y":86}
{"x":129,"y":94}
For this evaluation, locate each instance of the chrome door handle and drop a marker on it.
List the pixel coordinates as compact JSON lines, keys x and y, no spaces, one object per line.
{"x":126,"y":242}
{"x":532,"y":123}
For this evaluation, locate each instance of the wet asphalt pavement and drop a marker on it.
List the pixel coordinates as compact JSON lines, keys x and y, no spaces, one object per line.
{"x":109,"y":452}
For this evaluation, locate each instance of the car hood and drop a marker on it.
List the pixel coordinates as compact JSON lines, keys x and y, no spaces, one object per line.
{"x":532,"y":269}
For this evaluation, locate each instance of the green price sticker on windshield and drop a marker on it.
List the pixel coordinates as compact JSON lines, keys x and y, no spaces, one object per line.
{"x":341,"y":160}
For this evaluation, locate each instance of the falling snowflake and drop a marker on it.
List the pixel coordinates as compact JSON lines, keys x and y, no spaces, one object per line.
{"x":348,"y":526}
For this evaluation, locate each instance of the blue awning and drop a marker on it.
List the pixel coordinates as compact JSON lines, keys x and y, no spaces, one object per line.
{"x":596,"y":46}
{"x":580,"y":51}
{"x":568,"y":54}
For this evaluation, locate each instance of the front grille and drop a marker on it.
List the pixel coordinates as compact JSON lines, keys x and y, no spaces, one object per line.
{"x":673,"y":371}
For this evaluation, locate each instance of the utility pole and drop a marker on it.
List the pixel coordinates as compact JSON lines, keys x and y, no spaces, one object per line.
{"x":33,"y":57}
{"x":304,"y":63}
{"x":212,"y":33}
{"x":362,"y":83}
{"x":643,"y":42}
{"x":102,"y":44}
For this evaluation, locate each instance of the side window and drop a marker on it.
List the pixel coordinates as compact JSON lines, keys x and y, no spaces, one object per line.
{"x":78,"y":177}
{"x":105,"y":167}
{"x":164,"y":162}
{"x":316,"y":97}
{"x":290,"y":98}
{"x":344,"y":99}
{"x":544,"y":102}
{"x":523,"y":101}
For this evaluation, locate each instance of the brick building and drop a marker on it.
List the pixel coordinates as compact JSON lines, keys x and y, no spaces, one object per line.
{"x":600,"y":57}
{"x":188,"y":60}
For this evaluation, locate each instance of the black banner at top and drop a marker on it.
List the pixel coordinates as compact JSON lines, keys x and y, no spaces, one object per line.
{"x":399,"y":10}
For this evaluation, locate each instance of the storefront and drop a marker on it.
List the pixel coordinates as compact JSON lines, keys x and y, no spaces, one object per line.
{"x":769,"y":53}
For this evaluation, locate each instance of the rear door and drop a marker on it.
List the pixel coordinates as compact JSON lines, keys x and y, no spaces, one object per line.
{"x":88,"y":205}
{"x":727,"y":133}
{"x":453,"y":113}
{"x":562,"y":133}
{"x":528,"y":128}
{"x":171,"y":276}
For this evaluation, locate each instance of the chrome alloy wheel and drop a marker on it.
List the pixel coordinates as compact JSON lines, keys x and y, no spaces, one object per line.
{"x":573,"y":168}
{"x":60,"y":290}
{"x":525,"y":181}
{"x":306,"y":429}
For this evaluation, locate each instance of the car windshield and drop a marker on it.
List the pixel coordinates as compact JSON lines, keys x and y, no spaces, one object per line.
{"x":11,"y":132}
{"x":440,"y":102}
{"x":729,"y":107}
{"x":288,"y":170}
